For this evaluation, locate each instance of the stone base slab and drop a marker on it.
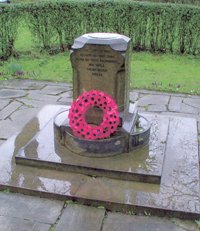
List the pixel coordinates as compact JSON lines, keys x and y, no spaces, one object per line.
{"x":177,"y":195}
{"x":142,"y":164}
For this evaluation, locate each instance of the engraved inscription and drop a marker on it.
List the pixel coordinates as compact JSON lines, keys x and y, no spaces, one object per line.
{"x":101,"y":68}
{"x":95,"y":60}
{"x":96,"y":67}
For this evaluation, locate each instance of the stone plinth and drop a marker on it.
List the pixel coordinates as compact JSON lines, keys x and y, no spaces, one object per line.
{"x":127,"y":166}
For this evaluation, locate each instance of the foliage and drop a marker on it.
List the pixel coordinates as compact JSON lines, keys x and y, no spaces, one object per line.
{"x":155,"y":27}
{"x":15,"y":69}
{"x":189,"y":2}
{"x":198,"y":223}
{"x":9,"y":20}
{"x":52,"y":228}
{"x":6,"y":190}
{"x":152,"y":26}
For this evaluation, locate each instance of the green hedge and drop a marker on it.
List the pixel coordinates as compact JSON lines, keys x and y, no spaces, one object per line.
{"x":9,"y":21}
{"x":152,"y":26}
{"x":188,"y":2}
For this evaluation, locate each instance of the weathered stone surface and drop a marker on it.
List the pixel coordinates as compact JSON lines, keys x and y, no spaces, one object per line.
{"x":47,"y":99}
{"x":13,"y":224}
{"x":8,"y":110}
{"x":66,"y":98}
{"x":30,"y":208}
{"x":120,"y":222}
{"x":77,"y":217}
{"x":8,"y":129}
{"x":157,"y":108}
{"x":141,"y":165}
{"x":150,"y":100}
{"x":62,"y":84}
{"x":181,"y":155}
{"x":23,"y":84}
{"x":41,"y":227}
{"x":63,"y":100}
{"x":67,"y":94}
{"x":125,"y":193}
{"x":192,"y":102}
{"x":102,"y":58}
{"x":3,"y":103}
{"x":192,"y":96}
{"x":53,"y":90}
{"x":181,"y":114}
{"x":31,"y":103}
{"x":133,"y":96}
{"x":185,"y":224}
{"x":33,"y":178}
{"x":11,"y":93}
{"x":23,"y":116}
{"x":69,"y":184}
{"x":199,"y":139}
{"x":181,"y":158}
{"x":143,"y":92}
{"x":177,"y":104}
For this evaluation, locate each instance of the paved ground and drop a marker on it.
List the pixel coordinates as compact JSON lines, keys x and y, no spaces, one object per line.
{"x":20,"y":101}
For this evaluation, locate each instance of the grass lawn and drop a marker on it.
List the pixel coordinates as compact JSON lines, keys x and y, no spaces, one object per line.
{"x":149,"y":71}
{"x":38,"y":67}
{"x":162,"y":72}
{"x":166,"y":72}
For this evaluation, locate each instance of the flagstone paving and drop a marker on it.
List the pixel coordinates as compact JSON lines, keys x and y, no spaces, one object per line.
{"x":20,"y":100}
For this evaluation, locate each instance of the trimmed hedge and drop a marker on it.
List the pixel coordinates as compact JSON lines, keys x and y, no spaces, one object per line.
{"x":188,"y":2}
{"x":152,"y":26}
{"x":9,"y":21}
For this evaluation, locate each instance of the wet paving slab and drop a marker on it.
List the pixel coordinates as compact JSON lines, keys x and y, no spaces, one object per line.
{"x":118,"y":222}
{"x":29,"y":208}
{"x":11,"y":93}
{"x":177,"y":195}
{"x":3,"y":103}
{"x":10,"y":224}
{"x":154,"y":100}
{"x":10,"y":109}
{"x":184,"y":105}
{"x":54,"y":90}
{"x":140,"y":165}
{"x":8,"y":128}
{"x":23,"y":84}
{"x":89,"y":218}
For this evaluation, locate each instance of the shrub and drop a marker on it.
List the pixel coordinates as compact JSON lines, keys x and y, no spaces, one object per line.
{"x":189,"y":2}
{"x":151,"y":26}
{"x":9,"y":20}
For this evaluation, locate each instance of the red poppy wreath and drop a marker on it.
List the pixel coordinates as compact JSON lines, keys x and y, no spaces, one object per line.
{"x":82,"y":104}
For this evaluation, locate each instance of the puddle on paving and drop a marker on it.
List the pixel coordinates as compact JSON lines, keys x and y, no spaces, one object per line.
{"x":178,"y":191}
{"x":33,"y":178}
{"x":148,"y":160}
